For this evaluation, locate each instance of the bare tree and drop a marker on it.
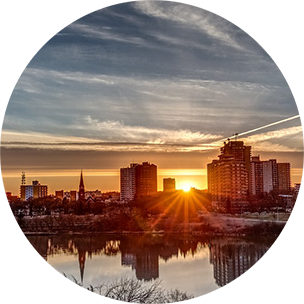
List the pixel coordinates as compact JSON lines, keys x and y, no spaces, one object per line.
{"x":177,"y":296}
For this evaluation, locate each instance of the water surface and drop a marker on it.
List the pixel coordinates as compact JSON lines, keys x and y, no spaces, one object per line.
{"x":194,"y":264}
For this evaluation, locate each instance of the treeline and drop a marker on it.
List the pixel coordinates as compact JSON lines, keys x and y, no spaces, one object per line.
{"x":50,"y":205}
{"x":81,"y":224}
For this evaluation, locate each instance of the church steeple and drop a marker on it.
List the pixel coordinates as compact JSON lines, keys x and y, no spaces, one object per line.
{"x":81,"y":196}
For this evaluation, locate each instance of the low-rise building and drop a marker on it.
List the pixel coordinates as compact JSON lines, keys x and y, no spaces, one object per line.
{"x":36,"y":190}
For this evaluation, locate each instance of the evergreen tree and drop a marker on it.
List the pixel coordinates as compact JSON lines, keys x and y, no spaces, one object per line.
{"x":42,"y":287}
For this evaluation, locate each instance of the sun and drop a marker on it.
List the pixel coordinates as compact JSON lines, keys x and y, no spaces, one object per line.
{"x":186,"y":187}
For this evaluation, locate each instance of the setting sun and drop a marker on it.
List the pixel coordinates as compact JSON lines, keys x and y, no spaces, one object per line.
{"x":186,"y":187}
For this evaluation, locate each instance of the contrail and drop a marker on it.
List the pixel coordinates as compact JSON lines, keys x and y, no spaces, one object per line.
{"x":269,"y":125}
{"x":257,"y":129}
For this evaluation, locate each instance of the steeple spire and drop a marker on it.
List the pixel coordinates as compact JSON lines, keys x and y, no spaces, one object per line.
{"x":81,"y":188}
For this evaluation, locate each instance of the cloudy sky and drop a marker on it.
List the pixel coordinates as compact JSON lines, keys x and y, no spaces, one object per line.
{"x":145,"y":81}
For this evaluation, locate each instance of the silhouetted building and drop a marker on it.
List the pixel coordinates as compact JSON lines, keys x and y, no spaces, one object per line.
{"x":127,"y":183}
{"x":229,"y":176}
{"x":36,"y":190}
{"x":7,"y":196}
{"x":138,"y":181}
{"x":73,"y":195}
{"x":145,"y":180}
{"x":168,"y":184}
{"x":256,"y":175}
{"x":59,"y":194}
{"x":284,"y":176}
{"x":81,"y":195}
{"x":269,"y":176}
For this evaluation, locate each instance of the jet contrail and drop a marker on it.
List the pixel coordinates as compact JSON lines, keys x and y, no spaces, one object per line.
{"x":269,"y":125}
{"x":257,"y":129}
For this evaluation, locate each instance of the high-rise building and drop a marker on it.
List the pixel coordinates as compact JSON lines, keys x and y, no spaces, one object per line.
{"x":36,"y":190}
{"x":229,"y":176}
{"x":127,"y":183}
{"x":81,"y":195}
{"x":169,"y":184}
{"x":269,"y":176}
{"x":284,"y":181}
{"x":256,"y":175}
{"x":145,"y":180}
{"x":138,"y":180}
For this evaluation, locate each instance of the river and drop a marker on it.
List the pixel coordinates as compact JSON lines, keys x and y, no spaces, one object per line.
{"x":193,"y":264}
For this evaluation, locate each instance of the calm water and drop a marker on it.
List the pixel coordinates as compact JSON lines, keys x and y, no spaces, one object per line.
{"x":197,"y":265}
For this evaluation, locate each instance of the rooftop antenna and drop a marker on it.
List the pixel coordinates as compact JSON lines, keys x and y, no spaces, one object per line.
{"x":23,"y":178}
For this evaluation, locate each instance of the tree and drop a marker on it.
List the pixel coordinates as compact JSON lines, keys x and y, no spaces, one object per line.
{"x":42,"y":286}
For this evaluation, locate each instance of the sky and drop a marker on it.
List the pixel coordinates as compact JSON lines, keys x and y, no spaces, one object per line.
{"x":145,"y":81}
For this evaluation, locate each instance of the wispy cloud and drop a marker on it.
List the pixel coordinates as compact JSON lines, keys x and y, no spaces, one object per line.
{"x":191,"y":17}
{"x":116,"y":130}
{"x":114,"y":134}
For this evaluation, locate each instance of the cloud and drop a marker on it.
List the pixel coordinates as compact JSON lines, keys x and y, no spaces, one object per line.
{"x":274,"y":134}
{"x":215,"y":27}
{"x":111,"y":135}
{"x":119,"y":131}
{"x":254,"y":27}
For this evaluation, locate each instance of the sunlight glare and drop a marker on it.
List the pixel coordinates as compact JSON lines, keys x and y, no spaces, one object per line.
{"x":186,"y":187}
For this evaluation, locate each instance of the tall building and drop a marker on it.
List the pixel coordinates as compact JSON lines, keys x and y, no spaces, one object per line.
{"x":229,"y":176}
{"x":168,"y":184}
{"x":145,"y":180}
{"x":81,"y":195}
{"x":36,"y":190}
{"x":256,"y":175}
{"x":269,"y":176}
{"x":127,"y":183}
{"x":138,"y":180}
{"x":284,"y":181}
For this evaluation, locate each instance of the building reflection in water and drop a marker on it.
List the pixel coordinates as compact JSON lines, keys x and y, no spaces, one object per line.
{"x":230,"y":257}
{"x":233,"y":266}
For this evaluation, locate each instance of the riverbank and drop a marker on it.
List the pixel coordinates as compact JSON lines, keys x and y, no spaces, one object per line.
{"x":215,"y":225}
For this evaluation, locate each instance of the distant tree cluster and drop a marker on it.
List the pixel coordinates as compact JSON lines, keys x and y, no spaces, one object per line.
{"x":51,"y":205}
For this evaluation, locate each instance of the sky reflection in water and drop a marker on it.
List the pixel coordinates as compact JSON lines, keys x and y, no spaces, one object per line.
{"x":194,"y":264}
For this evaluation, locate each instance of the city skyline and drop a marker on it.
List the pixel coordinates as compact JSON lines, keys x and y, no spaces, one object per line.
{"x":153,"y":81}
{"x":186,"y":178}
